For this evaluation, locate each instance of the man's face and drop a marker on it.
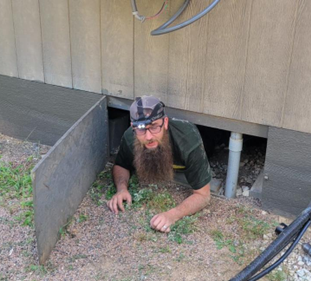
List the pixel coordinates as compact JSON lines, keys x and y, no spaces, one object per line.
{"x":151,"y":139}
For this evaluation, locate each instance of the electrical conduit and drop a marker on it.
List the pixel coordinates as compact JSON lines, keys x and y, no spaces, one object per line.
{"x":235,"y":148}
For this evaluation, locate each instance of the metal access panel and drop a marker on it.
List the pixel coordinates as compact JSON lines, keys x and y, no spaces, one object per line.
{"x":287,"y":173}
{"x":62,"y":178}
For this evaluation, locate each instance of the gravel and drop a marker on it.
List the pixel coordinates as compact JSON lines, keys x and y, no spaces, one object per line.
{"x":98,"y":245}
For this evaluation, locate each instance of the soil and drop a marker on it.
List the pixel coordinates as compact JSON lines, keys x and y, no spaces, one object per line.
{"x":98,"y":245}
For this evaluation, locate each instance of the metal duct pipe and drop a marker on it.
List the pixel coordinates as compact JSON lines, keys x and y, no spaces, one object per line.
{"x":235,"y":148}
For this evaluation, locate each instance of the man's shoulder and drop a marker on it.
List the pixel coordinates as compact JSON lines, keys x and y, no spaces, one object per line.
{"x":182,"y":128}
{"x":128,"y":136}
{"x":184,"y":135}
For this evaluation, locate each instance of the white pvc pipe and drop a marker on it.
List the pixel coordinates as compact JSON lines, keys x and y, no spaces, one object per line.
{"x":235,"y":148}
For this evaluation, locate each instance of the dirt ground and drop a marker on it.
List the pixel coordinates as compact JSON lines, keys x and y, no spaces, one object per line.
{"x":98,"y":245}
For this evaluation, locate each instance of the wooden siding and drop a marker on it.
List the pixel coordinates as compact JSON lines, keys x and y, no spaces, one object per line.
{"x":28,"y":39}
{"x":85,"y":44}
{"x":247,"y":60}
{"x":117,"y":48}
{"x":56,"y":42}
{"x":8,"y":63}
{"x":297,"y":113}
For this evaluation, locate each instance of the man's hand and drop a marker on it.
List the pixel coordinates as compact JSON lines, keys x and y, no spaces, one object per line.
{"x":194,"y":203}
{"x":162,"y":222}
{"x":116,"y":201}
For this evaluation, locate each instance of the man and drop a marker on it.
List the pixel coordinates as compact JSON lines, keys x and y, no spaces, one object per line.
{"x":152,"y":147}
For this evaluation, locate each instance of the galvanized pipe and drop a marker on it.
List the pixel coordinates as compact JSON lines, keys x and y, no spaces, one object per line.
{"x":235,"y":148}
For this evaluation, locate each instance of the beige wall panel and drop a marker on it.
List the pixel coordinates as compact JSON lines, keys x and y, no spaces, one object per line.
{"x":117,"y":48}
{"x":297,"y":112}
{"x":187,"y":57}
{"x":28,"y":39}
{"x":85,"y":44}
{"x":56,"y":42}
{"x":227,"y":36}
{"x":8,"y":62}
{"x":269,"y":52}
{"x":151,"y":52}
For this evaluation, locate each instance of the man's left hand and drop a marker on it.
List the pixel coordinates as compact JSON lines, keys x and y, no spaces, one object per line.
{"x":162,"y":222}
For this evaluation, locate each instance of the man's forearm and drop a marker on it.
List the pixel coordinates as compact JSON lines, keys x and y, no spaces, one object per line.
{"x":121,"y":177}
{"x":190,"y":206}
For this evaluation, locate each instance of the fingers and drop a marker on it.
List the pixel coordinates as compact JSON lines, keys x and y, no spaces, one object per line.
{"x":160,"y":223}
{"x":120,"y":203}
{"x":116,"y":202}
{"x":129,"y":199}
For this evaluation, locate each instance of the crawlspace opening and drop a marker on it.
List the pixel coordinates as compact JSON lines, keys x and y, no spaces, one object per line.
{"x":216,"y":143}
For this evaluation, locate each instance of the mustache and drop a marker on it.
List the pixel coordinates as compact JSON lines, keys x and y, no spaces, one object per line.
{"x":151,"y":141}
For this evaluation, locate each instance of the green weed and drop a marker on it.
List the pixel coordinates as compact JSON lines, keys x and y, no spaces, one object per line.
{"x":77,"y":257}
{"x":165,"y":250}
{"x":39,"y":269}
{"x":252,"y":227}
{"x":82,"y":218}
{"x":63,"y":231}
{"x":180,"y":257}
{"x":16,"y":183}
{"x":235,"y":247}
{"x":183,"y":227}
{"x":277,"y":275}
{"x":161,"y":202}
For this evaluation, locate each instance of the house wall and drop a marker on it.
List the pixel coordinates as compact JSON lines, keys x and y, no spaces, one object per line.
{"x":247,"y":60}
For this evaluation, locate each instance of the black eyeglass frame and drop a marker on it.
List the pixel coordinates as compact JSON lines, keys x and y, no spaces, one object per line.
{"x":144,"y":129}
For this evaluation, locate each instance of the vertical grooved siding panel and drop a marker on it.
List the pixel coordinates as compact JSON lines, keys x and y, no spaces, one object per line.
{"x":269,"y":52}
{"x":85,"y":44}
{"x":188,"y":48}
{"x":28,"y":39}
{"x":56,"y":42}
{"x":151,"y":53}
{"x":8,"y":63}
{"x":228,"y":31}
{"x":117,"y":48}
{"x":297,"y":113}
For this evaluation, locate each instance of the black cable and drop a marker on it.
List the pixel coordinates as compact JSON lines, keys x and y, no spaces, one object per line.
{"x":163,"y":30}
{"x":286,"y":254}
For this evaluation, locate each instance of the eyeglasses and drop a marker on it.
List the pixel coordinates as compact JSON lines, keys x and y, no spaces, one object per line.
{"x":153,"y":129}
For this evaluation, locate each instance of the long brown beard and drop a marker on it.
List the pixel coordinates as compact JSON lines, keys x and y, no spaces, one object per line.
{"x":154,"y":165}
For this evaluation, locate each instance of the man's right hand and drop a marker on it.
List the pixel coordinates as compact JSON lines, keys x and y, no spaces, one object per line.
{"x":116,"y":201}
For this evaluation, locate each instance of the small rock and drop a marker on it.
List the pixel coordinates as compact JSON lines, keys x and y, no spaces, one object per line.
{"x":246,"y":193}
{"x":300,"y":272}
{"x":239,"y":192}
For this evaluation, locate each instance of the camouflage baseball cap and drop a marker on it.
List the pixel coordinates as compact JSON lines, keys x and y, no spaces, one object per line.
{"x":146,"y":109}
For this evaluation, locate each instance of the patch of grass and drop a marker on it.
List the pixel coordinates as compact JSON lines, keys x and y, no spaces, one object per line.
{"x":252,"y":227}
{"x":16,"y":183}
{"x":277,"y":275}
{"x":38,"y":269}
{"x":183,"y":227}
{"x":77,"y":257}
{"x":164,"y":250}
{"x":235,"y":247}
{"x":112,"y":190}
{"x":161,"y":202}
{"x":82,"y":218}
{"x":142,"y":197}
{"x":63,"y":231}
{"x":146,"y":269}
{"x":180,"y":257}
{"x":96,"y":192}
